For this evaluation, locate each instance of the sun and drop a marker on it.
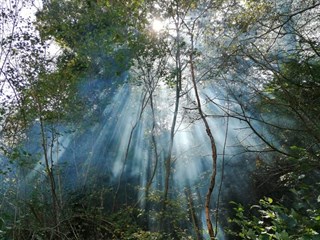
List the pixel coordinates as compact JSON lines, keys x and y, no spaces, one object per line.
{"x":157,"y":25}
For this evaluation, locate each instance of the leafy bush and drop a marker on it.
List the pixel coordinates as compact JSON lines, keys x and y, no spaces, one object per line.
{"x":270,"y":220}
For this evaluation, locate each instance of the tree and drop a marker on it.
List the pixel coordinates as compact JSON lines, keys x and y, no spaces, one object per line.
{"x":260,"y":56}
{"x":275,"y":53}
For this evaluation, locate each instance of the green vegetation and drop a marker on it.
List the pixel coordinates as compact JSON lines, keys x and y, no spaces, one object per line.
{"x":253,"y":62}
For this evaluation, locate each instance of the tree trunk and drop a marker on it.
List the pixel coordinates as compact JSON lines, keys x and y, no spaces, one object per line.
{"x":212,"y":142}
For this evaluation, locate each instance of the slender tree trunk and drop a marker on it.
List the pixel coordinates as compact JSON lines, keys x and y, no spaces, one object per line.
{"x":154,"y":142}
{"x":193,"y":215}
{"x":143,"y":106}
{"x":48,"y":165}
{"x":50,"y":175}
{"x":178,"y":79}
{"x":212,"y":142}
{"x":165,"y":224}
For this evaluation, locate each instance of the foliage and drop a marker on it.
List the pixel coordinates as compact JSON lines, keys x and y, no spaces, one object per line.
{"x":296,"y":88}
{"x":248,"y":14}
{"x":271,"y":220}
{"x":279,"y":54}
{"x":292,"y":94}
{"x":85,"y":216}
{"x":97,"y":35}
{"x":102,"y":40}
{"x":293,"y":179}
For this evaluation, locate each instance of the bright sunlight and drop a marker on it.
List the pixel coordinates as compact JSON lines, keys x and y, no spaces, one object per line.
{"x":157,"y":25}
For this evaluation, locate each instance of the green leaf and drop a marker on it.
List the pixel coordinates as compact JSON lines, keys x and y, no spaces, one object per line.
{"x":282,"y":236}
